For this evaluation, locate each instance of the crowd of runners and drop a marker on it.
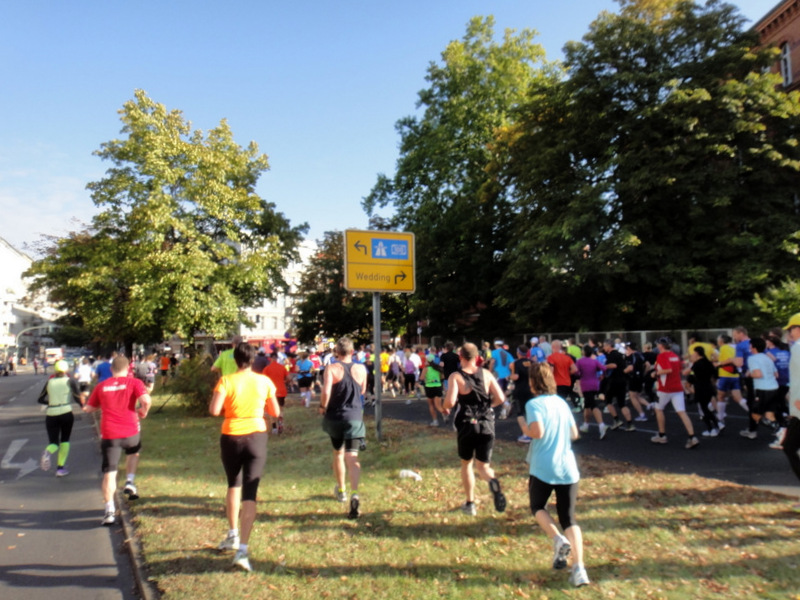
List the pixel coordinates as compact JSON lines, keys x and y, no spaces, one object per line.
{"x":609,"y":384}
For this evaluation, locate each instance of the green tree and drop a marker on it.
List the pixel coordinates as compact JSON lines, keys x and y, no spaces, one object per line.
{"x":327,"y":309}
{"x":182,"y":242}
{"x":441,"y":189}
{"x":657,"y":180}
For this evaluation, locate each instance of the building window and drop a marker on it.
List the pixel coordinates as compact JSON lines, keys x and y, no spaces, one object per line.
{"x":786,"y":64}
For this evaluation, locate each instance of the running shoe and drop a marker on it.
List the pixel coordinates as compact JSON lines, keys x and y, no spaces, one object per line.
{"x":659,"y":439}
{"x":711,"y":433}
{"x":641,"y":418}
{"x":499,"y":497}
{"x":339,"y":494}
{"x":692,"y":442}
{"x":524,"y":439}
{"x":584,"y":428}
{"x":603,"y":430}
{"x":434,"y":423}
{"x":629,"y":427}
{"x":561,"y":550}
{"x":109,"y":518}
{"x":579,"y":577}
{"x":776,"y":445}
{"x":44,"y":462}
{"x":280,"y":425}
{"x":468,"y":508}
{"x":130,"y":491}
{"x":616,"y":424}
{"x":408,"y":400}
{"x":750,"y":435}
{"x":780,"y":434}
{"x":354,"y":507}
{"x":231,"y":542}
{"x":240,"y":560}
{"x":62,"y":472}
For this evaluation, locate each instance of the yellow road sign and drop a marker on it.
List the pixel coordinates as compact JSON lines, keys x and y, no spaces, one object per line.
{"x":379,"y":261}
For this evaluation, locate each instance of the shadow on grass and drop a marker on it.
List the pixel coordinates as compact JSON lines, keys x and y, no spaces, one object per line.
{"x":476,"y":575}
{"x":464,"y":573}
{"x":661,"y":498}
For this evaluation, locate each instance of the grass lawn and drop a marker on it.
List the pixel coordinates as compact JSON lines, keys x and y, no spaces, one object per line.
{"x":647,"y":534}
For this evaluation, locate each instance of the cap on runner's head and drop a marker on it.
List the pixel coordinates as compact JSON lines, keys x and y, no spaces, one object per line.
{"x":534,"y":340}
{"x":498,"y":342}
{"x":664,"y":341}
{"x":794,"y":321}
{"x":61,"y":366}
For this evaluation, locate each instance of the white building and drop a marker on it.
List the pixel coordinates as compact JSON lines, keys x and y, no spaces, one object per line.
{"x":23,"y":322}
{"x":274,"y":319}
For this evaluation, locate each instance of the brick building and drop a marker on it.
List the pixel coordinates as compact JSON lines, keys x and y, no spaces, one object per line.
{"x":780,"y":28}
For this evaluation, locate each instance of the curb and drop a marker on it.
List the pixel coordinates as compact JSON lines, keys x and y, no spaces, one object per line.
{"x":146,"y":590}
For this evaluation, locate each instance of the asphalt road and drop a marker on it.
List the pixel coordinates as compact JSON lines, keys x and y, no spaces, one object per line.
{"x":728,"y":457}
{"x":51,"y":542}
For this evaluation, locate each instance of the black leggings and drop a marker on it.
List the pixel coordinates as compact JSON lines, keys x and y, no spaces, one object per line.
{"x":410,"y":380}
{"x":59,"y":428}
{"x":566,"y":498}
{"x":704,"y":395}
{"x":791,"y":445}
{"x":243,"y":458}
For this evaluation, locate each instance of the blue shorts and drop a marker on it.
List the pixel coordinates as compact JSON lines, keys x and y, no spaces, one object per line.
{"x":728,"y":384}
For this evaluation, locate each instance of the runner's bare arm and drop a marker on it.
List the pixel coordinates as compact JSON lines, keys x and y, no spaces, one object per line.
{"x":452,"y":393}
{"x":215,"y":407}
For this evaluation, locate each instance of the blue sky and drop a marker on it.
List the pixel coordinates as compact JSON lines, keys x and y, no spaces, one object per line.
{"x":318,"y":85}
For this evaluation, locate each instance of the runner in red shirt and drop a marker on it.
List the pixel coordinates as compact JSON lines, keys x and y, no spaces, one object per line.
{"x":563,"y":369}
{"x":278,"y":374}
{"x":123,"y":400}
{"x":670,"y":389}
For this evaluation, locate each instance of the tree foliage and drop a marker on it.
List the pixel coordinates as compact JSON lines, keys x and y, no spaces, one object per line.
{"x":655,"y":182}
{"x":441,"y":189}
{"x":327,"y":309}
{"x":182,"y":241}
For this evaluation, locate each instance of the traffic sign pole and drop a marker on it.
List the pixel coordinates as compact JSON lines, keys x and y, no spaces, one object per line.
{"x":376,"y":360}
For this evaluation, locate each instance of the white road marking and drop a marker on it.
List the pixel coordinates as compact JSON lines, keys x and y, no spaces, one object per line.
{"x":24,"y":468}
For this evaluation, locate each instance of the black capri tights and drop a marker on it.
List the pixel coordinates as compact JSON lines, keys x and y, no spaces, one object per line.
{"x":59,"y":428}
{"x":566,"y":497}
{"x":243,"y":458}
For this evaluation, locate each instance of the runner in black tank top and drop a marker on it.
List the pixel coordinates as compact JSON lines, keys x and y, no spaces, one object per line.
{"x":473,"y":392}
{"x":340,"y":403}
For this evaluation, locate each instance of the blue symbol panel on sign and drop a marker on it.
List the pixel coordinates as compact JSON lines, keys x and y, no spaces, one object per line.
{"x":390,"y":249}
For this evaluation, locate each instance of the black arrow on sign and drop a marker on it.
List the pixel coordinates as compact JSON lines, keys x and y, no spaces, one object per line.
{"x":362,"y":247}
{"x":401,"y":276}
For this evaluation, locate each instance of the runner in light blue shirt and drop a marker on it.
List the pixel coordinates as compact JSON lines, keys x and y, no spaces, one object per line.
{"x":551,"y":427}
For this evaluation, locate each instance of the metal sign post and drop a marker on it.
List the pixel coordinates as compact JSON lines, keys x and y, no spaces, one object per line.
{"x":376,"y":360}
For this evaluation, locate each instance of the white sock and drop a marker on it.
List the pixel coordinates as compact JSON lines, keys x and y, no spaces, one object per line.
{"x":130,"y":478}
{"x":233,"y":533}
{"x":110,"y":506}
{"x":242,"y":548}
